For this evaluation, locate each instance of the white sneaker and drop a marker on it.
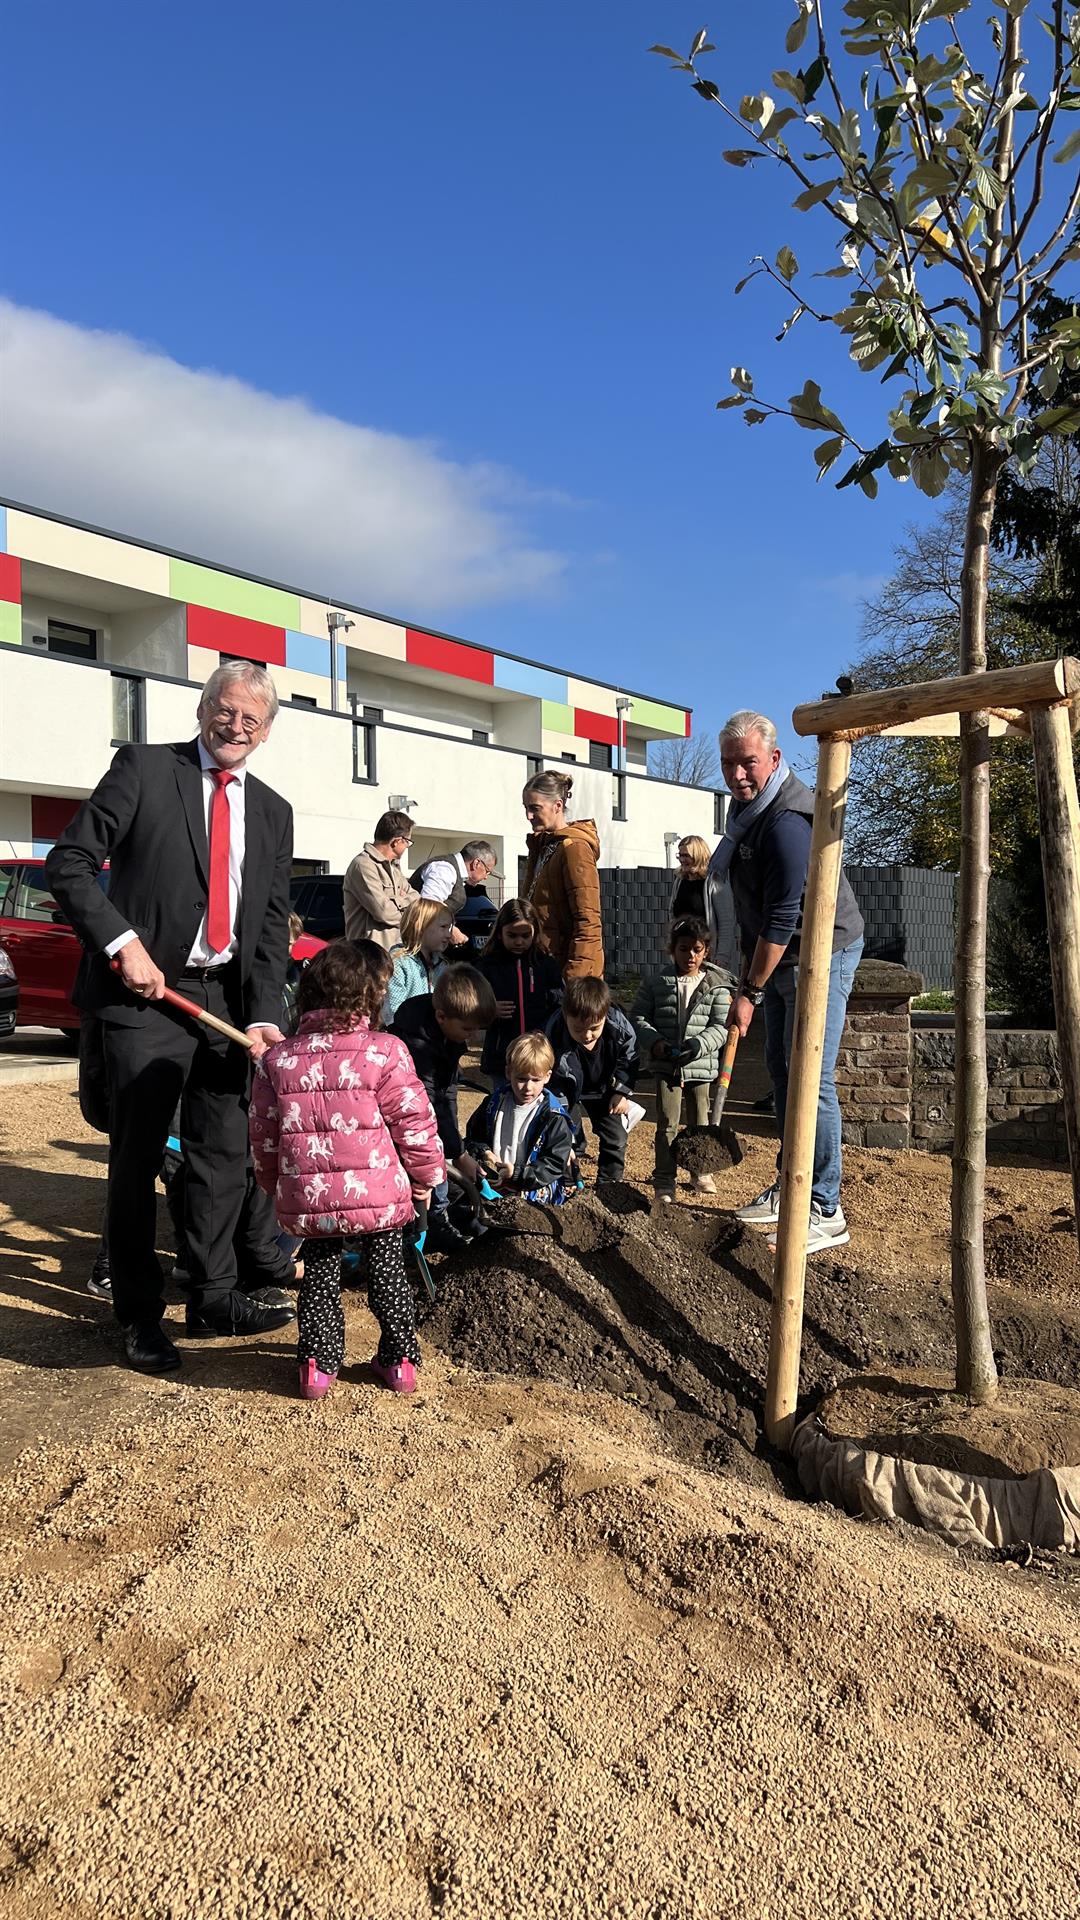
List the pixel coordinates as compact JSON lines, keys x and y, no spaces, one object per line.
{"x":664,"y":1197}
{"x":764,"y":1211}
{"x":704,"y":1183}
{"x":825,"y":1230}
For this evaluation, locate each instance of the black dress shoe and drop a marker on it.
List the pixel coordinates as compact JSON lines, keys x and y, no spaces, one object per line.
{"x":443,"y":1236}
{"x":149,"y":1350}
{"x":238,"y":1314}
{"x":270,"y":1296}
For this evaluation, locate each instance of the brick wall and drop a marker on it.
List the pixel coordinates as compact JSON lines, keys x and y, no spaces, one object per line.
{"x":1024,"y":1111}
{"x":874,"y":1065}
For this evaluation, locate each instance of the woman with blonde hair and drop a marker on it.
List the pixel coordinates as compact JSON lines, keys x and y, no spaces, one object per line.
{"x":688,"y":887}
{"x":426,"y":926}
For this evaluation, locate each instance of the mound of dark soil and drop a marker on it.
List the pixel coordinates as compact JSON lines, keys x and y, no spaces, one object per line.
{"x":706,"y":1149}
{"x":674,"y":1313}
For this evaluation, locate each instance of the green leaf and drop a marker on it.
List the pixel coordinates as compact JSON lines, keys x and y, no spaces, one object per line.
{"x":813,"y":196}
{"x":1069,"y":148}
{"x":754,"y":416}
{"x":930,"y":470}
{"x":796,"y":33}
{"x":741,"y":379}
{"x":669,"y":53}
{"x":1058,"y":420}
{"x":808,"y":411}
{"x":708,"y":89}
{"x":790,"y":83}
{"x":733,"y":400}
{"x":746,"y":279}
{"x":739,"y":156}
{"x":812,"y":79}
{"x":827,"y":454}
{"x":786,"y":264}
{"x":699,"y":42}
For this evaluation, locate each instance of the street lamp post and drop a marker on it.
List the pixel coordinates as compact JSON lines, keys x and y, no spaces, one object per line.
{"x":623,"y":704}
{"x":337,"y":623}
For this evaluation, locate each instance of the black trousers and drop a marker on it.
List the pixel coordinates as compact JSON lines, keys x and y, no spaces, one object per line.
{"x":611,"y":1135}
{"x":163,"y":1058}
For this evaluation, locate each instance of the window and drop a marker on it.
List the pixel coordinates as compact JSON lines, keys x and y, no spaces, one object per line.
{"x":719,"y":818}
{"x":128,"y":708}
{"x":239,"y":659}
{"x":36,"y":903}
{"x":304,"y":700}
{"x":599,"y":754}
{"x":73,"y":643}
{"x":572,"y":757}
{"x":618,"y":796}
{"x":534,"y":763}
{"x":364,"y":750}
{"x":480,"y":738}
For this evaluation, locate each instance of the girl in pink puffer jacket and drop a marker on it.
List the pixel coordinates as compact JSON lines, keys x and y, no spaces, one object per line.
{"x":343,"y":1136}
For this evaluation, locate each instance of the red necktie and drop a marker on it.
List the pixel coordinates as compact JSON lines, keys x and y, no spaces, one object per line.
{"x":218,"y":916}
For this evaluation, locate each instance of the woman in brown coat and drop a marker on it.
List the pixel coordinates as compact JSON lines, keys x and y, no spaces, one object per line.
{"x":561,"y":878}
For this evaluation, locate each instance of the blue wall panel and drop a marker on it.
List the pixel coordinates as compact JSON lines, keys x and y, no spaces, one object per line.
{"x":516,"y":676}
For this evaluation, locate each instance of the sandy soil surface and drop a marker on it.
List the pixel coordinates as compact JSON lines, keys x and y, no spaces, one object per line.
{"x":554,"y":1637}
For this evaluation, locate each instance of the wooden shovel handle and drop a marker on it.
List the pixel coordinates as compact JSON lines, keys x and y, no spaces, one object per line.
{"x":198,"y":1013}
{"x":723,"y":1078}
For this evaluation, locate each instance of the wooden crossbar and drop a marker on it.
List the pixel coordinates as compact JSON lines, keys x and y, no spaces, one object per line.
{"x":1005,"y":689}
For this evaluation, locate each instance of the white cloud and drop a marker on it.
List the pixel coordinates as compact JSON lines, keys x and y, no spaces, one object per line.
{"x":852,"y":588}
{"x":101,"y":428}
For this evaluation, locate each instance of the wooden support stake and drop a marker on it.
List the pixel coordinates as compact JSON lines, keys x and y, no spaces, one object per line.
{"x":804,"y":1083}
{"x":1059,"y":832}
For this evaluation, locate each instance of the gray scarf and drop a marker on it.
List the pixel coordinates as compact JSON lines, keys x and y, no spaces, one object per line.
{"x":741,"y":817}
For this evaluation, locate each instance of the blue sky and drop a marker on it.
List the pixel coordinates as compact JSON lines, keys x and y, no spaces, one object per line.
{"x":504,"y":239}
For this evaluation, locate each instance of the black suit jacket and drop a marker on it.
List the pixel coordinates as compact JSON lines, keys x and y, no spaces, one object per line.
{"x":147,"y":818}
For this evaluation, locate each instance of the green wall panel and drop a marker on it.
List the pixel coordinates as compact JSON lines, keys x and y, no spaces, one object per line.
{"x":227,"y":594}
{"x":650,"y":713}
{"x":10,"y":623}
{"x":556,"y":717}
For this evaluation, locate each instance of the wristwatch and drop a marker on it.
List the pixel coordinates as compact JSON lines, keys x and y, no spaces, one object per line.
{"x":755,"y":995}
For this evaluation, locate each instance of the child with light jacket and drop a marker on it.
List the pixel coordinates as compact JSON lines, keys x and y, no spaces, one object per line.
{"x":343,"y":1135}
{"x":426,"y":927}
{"x":680,"y":1018}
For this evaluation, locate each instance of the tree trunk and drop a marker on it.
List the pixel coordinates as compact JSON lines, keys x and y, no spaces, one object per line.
{"x":976,"y":1374}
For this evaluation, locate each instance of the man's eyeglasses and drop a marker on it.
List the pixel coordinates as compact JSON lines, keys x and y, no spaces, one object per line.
{"x":230,"y":715}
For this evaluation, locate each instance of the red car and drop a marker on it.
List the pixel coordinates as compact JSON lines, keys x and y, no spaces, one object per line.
{"x":43,"y":946}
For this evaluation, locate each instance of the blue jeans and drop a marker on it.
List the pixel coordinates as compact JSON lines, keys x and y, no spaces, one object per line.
{"x":779,"y":1011}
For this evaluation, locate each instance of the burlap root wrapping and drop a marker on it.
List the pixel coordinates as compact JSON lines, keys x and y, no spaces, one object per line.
{"x":1040,"y":1509}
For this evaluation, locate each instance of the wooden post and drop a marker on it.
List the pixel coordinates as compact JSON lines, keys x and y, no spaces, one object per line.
{"x":1059,"y":831}
{"x":804,"y":1083}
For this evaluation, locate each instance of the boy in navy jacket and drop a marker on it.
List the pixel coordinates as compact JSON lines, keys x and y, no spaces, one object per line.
{"x":522,"y":1131}
{"x":596,"y":1066}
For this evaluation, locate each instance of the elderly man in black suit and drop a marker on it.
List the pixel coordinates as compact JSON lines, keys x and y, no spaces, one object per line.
{"x":199,"y":857}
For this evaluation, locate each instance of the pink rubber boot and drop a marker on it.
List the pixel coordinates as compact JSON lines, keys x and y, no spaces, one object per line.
{"x":313,"y":1382}
{"x":400,"y":1378}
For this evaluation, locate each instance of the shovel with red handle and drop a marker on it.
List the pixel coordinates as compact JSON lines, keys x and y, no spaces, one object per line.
{"x":199,"y":1013}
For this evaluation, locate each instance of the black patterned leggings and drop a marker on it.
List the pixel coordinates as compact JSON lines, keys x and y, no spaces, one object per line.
{"x":322,"y":1322}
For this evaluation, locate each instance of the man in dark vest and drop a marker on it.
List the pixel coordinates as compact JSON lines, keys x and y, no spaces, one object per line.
{"x":765,"y":853}
{"x":447,"y":879}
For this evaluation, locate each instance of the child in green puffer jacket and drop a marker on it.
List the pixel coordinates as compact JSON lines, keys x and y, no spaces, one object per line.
{"x":680,"y":1018}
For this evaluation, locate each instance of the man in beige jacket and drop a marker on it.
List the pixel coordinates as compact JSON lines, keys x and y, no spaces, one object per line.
{"x":376,"y":890}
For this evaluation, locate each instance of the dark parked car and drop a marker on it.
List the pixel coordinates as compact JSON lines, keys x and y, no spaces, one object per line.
{"x":320,"y":901}
{"x":9,"y":994}
{"x":43,"y":946}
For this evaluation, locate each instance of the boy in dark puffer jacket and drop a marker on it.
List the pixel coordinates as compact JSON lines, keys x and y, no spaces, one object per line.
{"x":680,"y":1018}
{"x":522,"y":1131}
{"x":596,"y":1065}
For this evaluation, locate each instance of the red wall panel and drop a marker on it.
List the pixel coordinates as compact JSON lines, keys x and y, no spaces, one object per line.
{"x":229,"y":633}
{"x":596,"y":726}
{"x":689,"y":717}
{"x":449,"y":656}
{"x":50,"y":813}
{"x":10,"y":577}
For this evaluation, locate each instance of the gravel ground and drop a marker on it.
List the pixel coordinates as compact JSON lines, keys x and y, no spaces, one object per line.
{"x":500,"y":1649}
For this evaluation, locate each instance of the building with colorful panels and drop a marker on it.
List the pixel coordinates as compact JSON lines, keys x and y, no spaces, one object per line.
{"x":105,"y":639}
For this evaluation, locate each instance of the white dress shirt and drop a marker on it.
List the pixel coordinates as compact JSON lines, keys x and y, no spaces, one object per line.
{"x":201,"y":954}
{"x":442,"y":876}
